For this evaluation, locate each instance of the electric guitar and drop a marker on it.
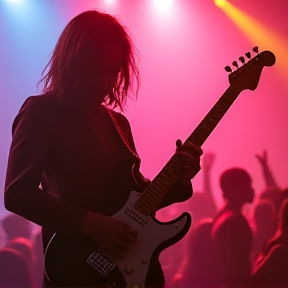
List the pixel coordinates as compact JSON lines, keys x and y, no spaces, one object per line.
{"x":78,"y":258}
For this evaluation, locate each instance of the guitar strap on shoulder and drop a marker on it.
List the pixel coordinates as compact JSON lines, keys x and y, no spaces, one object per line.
{"x":138,"y":177}
{"x":122,"y":134}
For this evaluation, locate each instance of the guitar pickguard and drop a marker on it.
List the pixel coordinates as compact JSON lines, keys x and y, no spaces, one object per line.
{"x":151,"y":234}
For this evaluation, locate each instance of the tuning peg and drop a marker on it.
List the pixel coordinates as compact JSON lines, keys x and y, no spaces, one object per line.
{"x":256,"y":50}
{"x":234,"y":63}
{"x":248,"y":55}
{"x":228,"y":69}
{"x":242,"y":59}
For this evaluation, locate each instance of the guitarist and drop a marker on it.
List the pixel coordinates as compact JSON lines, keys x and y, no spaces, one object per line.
{"x":70,"y":159}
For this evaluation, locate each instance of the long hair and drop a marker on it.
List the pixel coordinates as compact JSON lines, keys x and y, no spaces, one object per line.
{"x":67,"y":72}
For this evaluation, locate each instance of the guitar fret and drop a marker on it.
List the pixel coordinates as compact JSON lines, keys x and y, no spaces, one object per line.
{"x":140,"y":206}
{"x":154,"y":196}
{"x":149,"y":203}
{"x":172,"y":170}
{"x":148,"y":200}
{"x":153,"y":190}
{"x":210,"y":121}
{"x":148,"y":195}
{"x":159,"y":184}
{"x":142,"y":202}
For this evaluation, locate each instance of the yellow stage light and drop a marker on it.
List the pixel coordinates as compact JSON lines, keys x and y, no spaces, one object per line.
{"x":219,"y":3}
{"x":260,"y":34}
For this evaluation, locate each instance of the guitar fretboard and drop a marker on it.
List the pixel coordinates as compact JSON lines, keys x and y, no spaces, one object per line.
{"x":159,"y":187}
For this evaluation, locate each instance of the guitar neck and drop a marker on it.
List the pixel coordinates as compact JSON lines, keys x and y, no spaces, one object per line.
{"x":159,"y":187}
{"x":213,"y":117}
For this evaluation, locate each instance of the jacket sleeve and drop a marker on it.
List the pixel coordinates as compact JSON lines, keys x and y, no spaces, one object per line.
{"x":33,"y":135}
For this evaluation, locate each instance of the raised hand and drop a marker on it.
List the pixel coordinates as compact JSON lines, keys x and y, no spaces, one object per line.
{"x":262,"y":159}
{"x":266,"y":171}
{"x":208,"y":160}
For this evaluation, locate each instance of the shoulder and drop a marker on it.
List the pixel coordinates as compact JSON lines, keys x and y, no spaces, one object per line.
{"x":276,"y":257}
{"x":35,"y":111}
{"x":223,"y":217}
{"x":280,"y":249}
{"x":40,"y":102}
{"x":231,"y":217}
{"x":231,"y":221}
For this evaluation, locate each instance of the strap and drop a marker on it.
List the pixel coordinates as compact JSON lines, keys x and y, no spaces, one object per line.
{"x":137,"y":175}
{"x":123,"y":135}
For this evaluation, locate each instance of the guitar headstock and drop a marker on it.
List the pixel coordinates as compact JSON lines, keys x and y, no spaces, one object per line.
{"x":247,"y":76}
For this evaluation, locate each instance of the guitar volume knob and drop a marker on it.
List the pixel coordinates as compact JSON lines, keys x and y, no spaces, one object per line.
{"x":129,"y":269}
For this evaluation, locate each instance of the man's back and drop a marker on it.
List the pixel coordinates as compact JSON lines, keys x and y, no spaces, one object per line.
{"x":232,"y":240}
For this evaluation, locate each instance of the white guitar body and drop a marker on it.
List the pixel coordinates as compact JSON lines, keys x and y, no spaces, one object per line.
{"x":135,"y":263}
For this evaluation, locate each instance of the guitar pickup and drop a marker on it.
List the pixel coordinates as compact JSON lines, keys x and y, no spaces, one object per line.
{"x":136,"y":215}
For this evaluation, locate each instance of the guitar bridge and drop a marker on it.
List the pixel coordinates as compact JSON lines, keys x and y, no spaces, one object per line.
{"x":102,"y":263}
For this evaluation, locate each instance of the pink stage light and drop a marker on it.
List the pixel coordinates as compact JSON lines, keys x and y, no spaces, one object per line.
{"x":110,"y":2}
{"x":163,"y":5}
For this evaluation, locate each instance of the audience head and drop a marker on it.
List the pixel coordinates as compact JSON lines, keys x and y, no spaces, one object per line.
{"x":16,"y":226}
{"x":273,"y":194}
{"x":265,"y":221}
{"x":236,"y":185}
{"x":200,"y":233}
{"x":263,"y":213}
{"x":14,"y":272}
{"x":24,"y":247}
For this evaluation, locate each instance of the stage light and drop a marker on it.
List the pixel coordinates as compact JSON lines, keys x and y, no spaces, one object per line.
{"x":260,"y":34}
{"x":219,"y":3}
{"x":13,"y":1}
{"x":163,"y":5}
{"x":110,"y":2}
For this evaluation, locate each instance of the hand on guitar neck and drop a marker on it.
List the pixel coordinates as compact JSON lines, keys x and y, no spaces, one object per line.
{"x":190,"y":154}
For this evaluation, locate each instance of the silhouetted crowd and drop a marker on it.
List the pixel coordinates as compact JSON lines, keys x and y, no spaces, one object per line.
{"x":21,"y":257}
{"x":224,"y":248}
{"x":230,"y":247}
